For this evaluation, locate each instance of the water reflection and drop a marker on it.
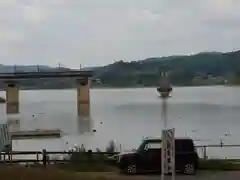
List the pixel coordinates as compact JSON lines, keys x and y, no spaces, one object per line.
{"x":85,"y":125}
{"x":13,"y":125}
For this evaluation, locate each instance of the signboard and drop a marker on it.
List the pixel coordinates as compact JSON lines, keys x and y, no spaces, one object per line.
{"x":168,"y":152}
{"x":5,"y":138}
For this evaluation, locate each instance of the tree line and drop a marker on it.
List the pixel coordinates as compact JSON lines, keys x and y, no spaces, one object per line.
{"x":182,"y":71}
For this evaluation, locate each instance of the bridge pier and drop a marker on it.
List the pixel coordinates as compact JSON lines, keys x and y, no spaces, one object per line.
{"x":12,"y":105}
{"x":13,"y":81}
{"x":83,"y":105}
{"x":83,"y":97}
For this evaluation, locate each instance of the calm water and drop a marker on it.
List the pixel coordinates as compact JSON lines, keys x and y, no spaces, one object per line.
{"x":128,"y":115}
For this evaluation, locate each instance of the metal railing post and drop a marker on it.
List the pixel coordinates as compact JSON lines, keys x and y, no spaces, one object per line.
{"x":205,"y":152}
{"x":44,"y":158}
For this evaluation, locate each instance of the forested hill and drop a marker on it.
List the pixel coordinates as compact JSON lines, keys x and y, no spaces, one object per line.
{"x":199,"y":69}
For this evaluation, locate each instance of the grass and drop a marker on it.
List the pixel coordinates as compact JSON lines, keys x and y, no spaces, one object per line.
{"x":88,"y":167}
{"x":220,"y":165}
{"x":92,"y":171}
{"x":81,"y":162}
{"x":20,"y":173}
{"x":52,"y":173}
{"x":81,"y":166}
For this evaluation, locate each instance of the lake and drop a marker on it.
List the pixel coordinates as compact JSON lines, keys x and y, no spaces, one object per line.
{"x":128,"y":115}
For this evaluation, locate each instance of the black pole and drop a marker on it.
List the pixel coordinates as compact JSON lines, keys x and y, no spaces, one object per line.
{"x":44,"y":153}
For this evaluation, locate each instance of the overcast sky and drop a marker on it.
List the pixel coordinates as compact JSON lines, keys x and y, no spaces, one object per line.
{"x":98,"y":32}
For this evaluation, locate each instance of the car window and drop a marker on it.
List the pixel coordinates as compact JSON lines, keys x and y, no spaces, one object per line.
{"x":153,"y":145}
{"x":184,"y":146}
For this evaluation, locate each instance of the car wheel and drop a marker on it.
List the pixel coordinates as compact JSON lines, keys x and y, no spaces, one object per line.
{"x":189,"y":169}
{"x":130,"y":169}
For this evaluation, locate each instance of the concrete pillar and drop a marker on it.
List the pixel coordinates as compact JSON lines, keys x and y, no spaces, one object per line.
{"x":12,"y":106}
{"x":83,"y":106}
{"x":83,"y":97}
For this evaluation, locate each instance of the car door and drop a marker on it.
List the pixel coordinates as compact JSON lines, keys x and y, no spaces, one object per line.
{"x":153,"y":155}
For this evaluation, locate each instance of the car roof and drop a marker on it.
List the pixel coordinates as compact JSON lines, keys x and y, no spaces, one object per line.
{"x":159,"y":139}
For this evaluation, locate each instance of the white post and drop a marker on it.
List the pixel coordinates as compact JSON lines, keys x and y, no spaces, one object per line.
{"x":164,"y":144}
{"x":168,"y":135}
{"x":164,"y":113}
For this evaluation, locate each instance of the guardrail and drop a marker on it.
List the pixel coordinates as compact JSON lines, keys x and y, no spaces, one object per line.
{"x":45,"y":157}
{"x":219,"y":149}
{"x":48,"y":157}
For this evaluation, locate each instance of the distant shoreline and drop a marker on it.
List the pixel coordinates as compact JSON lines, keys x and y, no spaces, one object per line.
{"x":129,"y":87}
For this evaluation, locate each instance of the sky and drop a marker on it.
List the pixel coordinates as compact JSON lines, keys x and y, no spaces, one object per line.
{"x":99,"y":32}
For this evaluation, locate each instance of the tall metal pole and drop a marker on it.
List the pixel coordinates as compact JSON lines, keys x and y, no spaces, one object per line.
{"x":168,"y":135}
{"x":163,"y":155}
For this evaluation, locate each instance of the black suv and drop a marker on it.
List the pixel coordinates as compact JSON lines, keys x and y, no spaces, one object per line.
{"x":147,"y":158}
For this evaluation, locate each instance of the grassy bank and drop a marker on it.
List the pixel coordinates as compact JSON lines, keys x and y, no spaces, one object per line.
{"x":220,"y":165}
{"x":21,"y":173}
{"x":53,"y":173}
{"x":93,"y":171}
{"x":86,"y":167}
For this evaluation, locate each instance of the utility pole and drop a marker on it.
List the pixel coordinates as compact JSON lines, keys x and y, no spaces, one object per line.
{"x":168,"y":135}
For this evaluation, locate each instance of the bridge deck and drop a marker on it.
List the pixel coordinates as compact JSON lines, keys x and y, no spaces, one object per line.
{"x":74,"y":74}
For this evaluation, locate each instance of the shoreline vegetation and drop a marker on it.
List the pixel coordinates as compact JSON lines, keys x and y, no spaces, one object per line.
{"x":2,"y":100}
{"x":92,"y":170}
{"x":205,"y":68}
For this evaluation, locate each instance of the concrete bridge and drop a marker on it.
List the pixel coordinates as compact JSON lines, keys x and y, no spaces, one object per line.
{"x":82,"y":78}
